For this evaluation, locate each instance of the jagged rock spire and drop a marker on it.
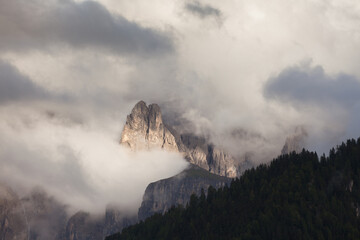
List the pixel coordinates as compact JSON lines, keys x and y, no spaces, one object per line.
{"x":144,"y":129}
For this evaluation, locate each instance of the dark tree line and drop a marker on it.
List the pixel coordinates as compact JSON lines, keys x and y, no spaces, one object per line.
{"x":296,"y":196}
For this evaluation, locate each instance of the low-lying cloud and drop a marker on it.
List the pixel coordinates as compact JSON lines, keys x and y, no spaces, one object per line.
{"x":80,"y":165}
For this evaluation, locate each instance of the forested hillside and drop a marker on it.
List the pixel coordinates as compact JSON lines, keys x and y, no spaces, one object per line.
{"x":296,"y":196}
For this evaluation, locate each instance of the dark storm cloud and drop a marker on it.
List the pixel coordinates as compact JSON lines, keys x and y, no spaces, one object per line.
{"x":311,"y":85}
{"x":202,"y":10}
{"x":26,"y":25}
{"x":16,"y":87}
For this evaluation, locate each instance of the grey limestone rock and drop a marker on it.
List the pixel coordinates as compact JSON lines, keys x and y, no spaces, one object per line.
{"x":36,"y":216}
{"x":160,"y":196}
{"x":145,"y":129}
{"x":82,"y":226}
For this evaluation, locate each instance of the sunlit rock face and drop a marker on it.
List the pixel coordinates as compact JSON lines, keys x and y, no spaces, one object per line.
{"x":207,"y":156}
{"x":145,"y":130}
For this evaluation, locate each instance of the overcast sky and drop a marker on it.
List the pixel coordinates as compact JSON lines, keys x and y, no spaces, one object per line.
{"x":70,"y":72}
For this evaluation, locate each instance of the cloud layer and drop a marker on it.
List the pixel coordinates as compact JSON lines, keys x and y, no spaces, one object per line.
{"x":311,"y":85}
{"x":71,"y":71}
{"x":29,"y":25}
{"x":16,"y":87}
{"x":80,"y":165}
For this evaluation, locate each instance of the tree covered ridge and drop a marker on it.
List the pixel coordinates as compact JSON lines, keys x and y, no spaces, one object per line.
{"x":296,"y":196}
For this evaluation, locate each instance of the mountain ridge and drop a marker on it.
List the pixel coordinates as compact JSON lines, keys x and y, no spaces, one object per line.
{"x":144,"y":130}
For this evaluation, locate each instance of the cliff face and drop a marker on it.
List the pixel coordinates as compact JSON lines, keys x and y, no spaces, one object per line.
{"x":12,"y":222}
{"x":36,"y":216}
{"x":145,"y":129}
{"x":161,"y":195}
{"x":82,"y":226}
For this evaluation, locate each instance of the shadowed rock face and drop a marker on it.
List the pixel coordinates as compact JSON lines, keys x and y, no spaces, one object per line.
{"x":34,"y":217}
{"x":116,"y":220}
{"x":145,"y":129}
{"x":161,"y":195}
{"x":82,"y":226}
{"x":12,"y":222}
{"x":40,"y":217}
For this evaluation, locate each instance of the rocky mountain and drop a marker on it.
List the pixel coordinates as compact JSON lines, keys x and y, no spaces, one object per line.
{"x":145,"y":129}
{"x":161,"y":195}
{"x":40,"y":217}
{"x":209,"y":157}
{"x":35,"y":216}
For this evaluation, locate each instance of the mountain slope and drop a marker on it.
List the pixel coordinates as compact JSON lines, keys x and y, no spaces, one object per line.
{"x":297,"y":196}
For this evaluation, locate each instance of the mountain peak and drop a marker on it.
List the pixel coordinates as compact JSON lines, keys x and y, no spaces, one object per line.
{"x":141,"y":105}
{"x":144,"y":129}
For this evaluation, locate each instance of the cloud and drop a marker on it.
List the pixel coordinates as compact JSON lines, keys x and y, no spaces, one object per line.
{"x":28,"y":25}
{"x":80,"y":165}
{"x":212,"y":80}
{"x":327,"y":103}
{"x":14,"y":86}
{"x":202,"y":10}
{"x":311,"y":85}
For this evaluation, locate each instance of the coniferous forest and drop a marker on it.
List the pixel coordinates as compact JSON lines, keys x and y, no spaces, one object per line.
{"x":296,"y":196}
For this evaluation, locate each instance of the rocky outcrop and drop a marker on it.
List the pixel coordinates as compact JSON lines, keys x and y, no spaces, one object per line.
{"x":161,"y":195}
{"x":209,"y":157}
{"x":296,"y":142}
{"x":145,"y":129}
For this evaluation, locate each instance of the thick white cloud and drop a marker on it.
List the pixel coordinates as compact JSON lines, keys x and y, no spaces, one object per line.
{"x":82,"y":165}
